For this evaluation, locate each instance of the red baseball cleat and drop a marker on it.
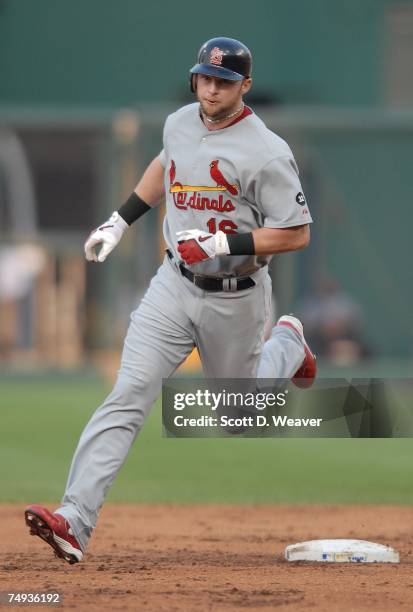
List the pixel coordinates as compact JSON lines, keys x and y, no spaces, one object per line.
{"x":305,"y":375}
{"x":56,"y":531}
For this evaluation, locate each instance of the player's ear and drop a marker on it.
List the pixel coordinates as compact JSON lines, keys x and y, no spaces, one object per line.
{"x":246,"y":85}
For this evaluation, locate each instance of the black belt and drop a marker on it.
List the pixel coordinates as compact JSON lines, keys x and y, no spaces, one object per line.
{"x":210,"y":283}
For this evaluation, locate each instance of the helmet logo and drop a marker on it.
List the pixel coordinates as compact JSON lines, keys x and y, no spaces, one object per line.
{"x":216,"y":56}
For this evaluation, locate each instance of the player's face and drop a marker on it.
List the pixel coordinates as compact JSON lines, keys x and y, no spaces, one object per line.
{"x":220,"y":97}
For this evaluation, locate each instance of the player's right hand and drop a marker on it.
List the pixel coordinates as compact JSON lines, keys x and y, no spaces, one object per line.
{"x":195,"y":245}
{"x":108,"y":235}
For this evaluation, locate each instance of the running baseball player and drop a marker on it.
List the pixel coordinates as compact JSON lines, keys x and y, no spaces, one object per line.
{"x":233,"y":199}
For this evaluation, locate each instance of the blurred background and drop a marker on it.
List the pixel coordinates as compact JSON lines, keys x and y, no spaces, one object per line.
{"x":84,"y":90}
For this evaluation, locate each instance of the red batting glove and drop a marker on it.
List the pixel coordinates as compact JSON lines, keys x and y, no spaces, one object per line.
{"x":195,"y":245}
{"x":191,"y":252}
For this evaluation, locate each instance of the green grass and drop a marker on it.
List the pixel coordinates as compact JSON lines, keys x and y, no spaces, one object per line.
{"x":42,"y":420}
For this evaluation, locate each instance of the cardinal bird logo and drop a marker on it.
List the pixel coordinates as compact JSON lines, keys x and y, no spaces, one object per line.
{"x":172,"y":172}
{"x":172,"y":175}
{"x":219,"y":178}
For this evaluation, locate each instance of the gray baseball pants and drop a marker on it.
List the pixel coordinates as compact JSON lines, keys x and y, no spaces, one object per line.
{"x":174,"y":315}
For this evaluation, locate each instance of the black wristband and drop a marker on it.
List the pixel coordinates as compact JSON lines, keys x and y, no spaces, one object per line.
{"x":241,"y":244}
{"x":133,"y":208}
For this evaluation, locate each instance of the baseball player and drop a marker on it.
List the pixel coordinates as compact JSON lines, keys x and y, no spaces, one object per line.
{"x":233,"y":199}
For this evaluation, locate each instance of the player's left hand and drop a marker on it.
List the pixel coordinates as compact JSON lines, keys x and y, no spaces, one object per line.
{"x":195,"y":245}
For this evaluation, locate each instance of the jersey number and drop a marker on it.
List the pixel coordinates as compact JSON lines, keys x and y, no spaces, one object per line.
{"x":228,"y":227}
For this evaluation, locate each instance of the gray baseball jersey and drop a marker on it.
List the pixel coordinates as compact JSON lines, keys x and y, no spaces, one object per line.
{"x":235,"y":179}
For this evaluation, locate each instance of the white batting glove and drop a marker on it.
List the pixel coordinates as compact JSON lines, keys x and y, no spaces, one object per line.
{"x":108,"y":235}
{"x":195,"y":245}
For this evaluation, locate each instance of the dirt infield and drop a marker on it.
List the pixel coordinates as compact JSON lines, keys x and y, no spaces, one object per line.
{"x":154,"y":557}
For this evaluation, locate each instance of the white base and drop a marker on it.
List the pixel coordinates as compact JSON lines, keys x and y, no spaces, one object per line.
{"x":341,"y":551}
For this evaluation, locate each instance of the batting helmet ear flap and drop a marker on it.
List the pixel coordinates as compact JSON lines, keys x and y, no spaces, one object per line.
{"x":192,"y":82}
